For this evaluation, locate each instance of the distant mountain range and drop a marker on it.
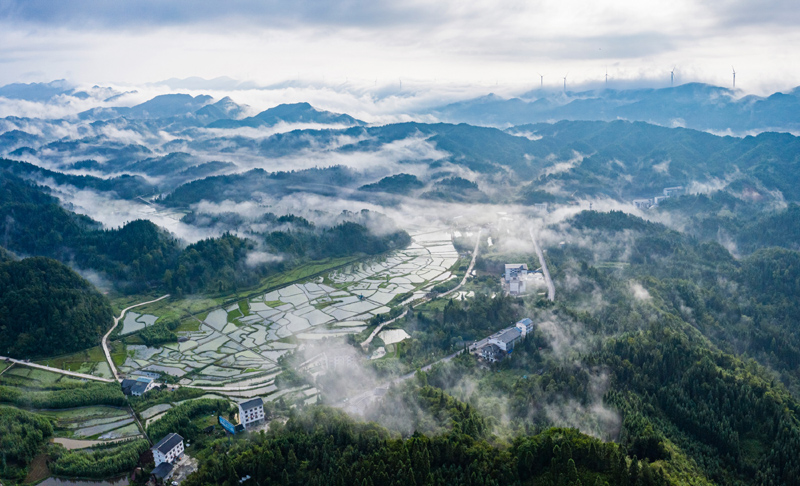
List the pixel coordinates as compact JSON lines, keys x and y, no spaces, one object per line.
{"x":41,"y":92}
{"x":693,"y":105}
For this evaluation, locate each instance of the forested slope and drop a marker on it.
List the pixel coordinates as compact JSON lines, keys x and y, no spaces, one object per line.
{"x":48,"y":309}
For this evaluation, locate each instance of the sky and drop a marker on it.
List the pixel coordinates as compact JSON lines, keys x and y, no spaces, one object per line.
{"x":503,"y":44}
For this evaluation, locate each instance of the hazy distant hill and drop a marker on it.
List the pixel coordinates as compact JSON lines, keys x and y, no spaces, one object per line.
{"x":289,"y":113}
{"x":692,"y":105}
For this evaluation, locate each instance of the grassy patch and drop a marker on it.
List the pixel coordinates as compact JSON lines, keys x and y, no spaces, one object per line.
{"x":134,"y":339}
{"x":188,"y":324}
{"x":244,"y":307}
{"x":234,"y":314}
{"x":83,"y":361}
{"x":118,"y":353}
{"x":323,"y":305}
{"x":275,"y":303}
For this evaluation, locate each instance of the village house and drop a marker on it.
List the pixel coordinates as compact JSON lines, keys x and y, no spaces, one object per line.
{"x":515,"y":278}
{"x":673,"y":191}
{"x":525,"y":326}
{"x":491,"y":353}
{"x":137,"y":387}
{"x":251,"y":412}
{"x":168,"y":450}
{"x":505,"y":339}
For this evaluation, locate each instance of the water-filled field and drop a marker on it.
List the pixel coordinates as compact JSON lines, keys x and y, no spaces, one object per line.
{"x":232,"y":347}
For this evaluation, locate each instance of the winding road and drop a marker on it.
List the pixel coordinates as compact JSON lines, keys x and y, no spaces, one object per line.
{"x":104,"y":342}
{"x":551,"y":289}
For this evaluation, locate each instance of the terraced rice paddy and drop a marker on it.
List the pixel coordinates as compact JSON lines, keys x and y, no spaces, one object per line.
{"x":99,"y":422}
{"x":232,"y":347}
{"x":135,"y":322}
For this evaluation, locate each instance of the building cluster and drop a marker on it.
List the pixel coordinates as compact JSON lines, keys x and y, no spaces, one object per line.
{"x":137,"y":387}
{"x":500,"y":344}
{"x":668,"y":192}
{"x":517,"y":279}
{"x":165,"y":454}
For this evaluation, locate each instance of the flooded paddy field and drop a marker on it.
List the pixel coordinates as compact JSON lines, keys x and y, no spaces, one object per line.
{"x":242,"y":343}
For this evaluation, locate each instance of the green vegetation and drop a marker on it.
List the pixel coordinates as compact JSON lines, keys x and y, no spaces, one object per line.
{"x":158,"y":396}
{"x":85,"y":361}
{"x":100,"y":462}
{"x":63,"y":395}
{"x":159,"y":333}
{"x":396,"y":184}
{"x":47,"y":309}
{"x":23,"y":435}
{"x":323,"y":446}
{"x":180,"y":418}
{"x":140,"y":256}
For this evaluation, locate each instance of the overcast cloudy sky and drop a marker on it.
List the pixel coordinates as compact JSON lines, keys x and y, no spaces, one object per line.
{"x":368,"y":41}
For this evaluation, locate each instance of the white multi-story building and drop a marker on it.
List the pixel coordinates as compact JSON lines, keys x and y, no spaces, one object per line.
{"x":673,"y":191}
{"x":525,"y":326}
{"x":251,"y":412}
{"x":505,"y":339}
{"x":168,"y":449}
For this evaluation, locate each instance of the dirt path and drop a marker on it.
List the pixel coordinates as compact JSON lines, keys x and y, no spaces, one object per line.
{"x":104,"y":342}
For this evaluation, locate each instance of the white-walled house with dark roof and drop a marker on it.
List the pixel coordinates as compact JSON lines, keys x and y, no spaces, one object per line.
{"x":169,"y":449}
{"x":251,"y":412}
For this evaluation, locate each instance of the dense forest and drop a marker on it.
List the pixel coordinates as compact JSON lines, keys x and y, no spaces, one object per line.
{"x":325,"y":447}
{"x":139,"y":255}
{"x":48,"y":309}
{"x":23,"y":435}
{"x":100,"y":462}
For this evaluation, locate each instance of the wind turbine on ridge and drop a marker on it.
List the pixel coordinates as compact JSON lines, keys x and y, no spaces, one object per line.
{"x":672,"y":77}
{"x":606,"y":77}
{"x":734,"y":77}
{"x":565,"y":82}
{"x":541,"y":81}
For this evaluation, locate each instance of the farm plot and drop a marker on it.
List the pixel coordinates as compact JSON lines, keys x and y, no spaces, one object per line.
{"x":231,"y":347}
{"x":101,"y":422}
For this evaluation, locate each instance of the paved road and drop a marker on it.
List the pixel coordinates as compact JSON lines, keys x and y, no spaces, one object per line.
{"x":104,"y":342}
{"x":57,"y":370}
{"x":471,"y":266}
{"x":551,"y":289}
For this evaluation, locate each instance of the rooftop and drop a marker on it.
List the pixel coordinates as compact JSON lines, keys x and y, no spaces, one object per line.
{"x":250,"y":404}
{"x":512,"y":266}
{"x":162,"y":470}
{"x":508,"y":335}
{"x":168,"y":443}
{"x":525,"y":321}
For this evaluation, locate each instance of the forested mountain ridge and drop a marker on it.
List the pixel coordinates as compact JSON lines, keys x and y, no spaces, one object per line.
{"x":140,"y":255}
{"x":47,"y":309}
